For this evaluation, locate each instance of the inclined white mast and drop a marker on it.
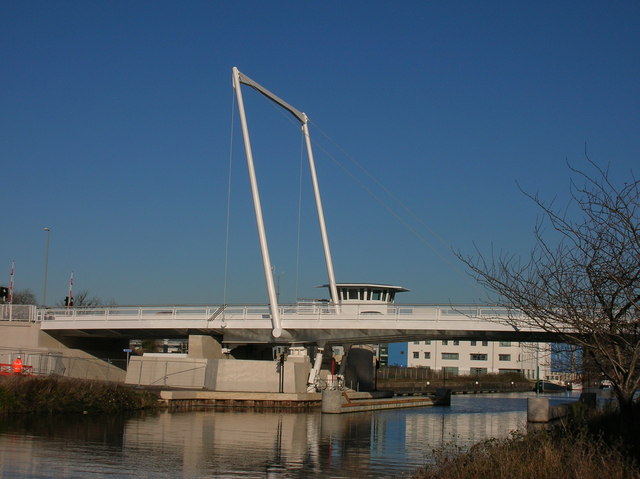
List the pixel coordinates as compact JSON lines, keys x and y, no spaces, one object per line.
{"x":238,"y":79}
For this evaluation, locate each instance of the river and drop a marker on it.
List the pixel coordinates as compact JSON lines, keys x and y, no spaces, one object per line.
{"x":227,"y":443}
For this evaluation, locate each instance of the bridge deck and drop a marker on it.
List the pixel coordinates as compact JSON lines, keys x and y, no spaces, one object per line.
{"x":311,"y":323}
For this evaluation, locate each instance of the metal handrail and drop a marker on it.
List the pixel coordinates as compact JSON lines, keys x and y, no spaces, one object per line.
{"x":303,"y":311}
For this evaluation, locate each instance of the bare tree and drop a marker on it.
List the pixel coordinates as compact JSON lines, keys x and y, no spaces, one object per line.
{"x":24,"y":296}
{"x":82,"y":299}
{"x":582,"y":278}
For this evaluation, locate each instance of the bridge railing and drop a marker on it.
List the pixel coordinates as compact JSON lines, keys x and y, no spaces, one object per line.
{"x":17,"y":312}
{"x":305,"y":311}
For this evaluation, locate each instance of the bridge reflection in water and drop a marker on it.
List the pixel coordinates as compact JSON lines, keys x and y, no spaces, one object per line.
{"x":244,"y":443}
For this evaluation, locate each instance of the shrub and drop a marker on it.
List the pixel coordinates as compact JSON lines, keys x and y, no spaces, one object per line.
{"x":54,"y":395}
{"x":540,"y":455}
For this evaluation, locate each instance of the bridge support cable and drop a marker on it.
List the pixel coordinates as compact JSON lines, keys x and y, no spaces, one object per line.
{"x":228,"y":219}
{"x":297,"y":295}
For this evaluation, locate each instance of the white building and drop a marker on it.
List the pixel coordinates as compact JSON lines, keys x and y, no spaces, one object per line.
{"x":459,"y":357}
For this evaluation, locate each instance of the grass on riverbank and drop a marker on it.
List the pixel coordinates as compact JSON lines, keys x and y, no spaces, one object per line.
{"x":582,"y":449}
{"x":539,"y":455}
{"x":68,"y":395}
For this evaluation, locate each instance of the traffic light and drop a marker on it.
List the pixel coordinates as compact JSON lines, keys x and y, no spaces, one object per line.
{"x":68,"y":301}
{"x":4,"y":293}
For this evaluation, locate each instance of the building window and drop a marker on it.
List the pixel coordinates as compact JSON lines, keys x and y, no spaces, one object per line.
{"x":427,"y":355}
{"x":505,"y":344}
{"x":507,"y":371}
{"x":504,"y":357}
{"x":450,"y":356}
{"x":416,"y":355}
{"x":456,"y":343}
{"x":477,"y":371}
{"x":427,"y":342}
{"x":473,"y":343}
{"x":416,"y":342}
{"x":445,"y":342}
{"x":450,"y":371}
{"x":485,"y":343}
{"x":478,"y":357}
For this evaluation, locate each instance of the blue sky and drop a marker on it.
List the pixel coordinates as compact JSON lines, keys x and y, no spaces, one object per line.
{"x":117,"y":131}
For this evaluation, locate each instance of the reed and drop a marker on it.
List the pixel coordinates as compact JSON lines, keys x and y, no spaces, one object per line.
{"x":68,"y":395}
{"x":560,"y":452}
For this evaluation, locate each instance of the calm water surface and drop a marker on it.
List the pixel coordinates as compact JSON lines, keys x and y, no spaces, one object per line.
{"x":238,"y":443}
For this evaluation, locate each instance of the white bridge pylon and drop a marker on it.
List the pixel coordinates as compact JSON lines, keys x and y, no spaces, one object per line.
{"x":238,"y":80}
{"x":314,"y":323}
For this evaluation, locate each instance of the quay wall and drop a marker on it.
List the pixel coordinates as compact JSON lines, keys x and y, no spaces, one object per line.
{"x":230,"y":375}
{"x":47,"y":355}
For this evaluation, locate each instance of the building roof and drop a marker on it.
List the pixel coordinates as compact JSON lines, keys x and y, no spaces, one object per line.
{"x":398,"y":289}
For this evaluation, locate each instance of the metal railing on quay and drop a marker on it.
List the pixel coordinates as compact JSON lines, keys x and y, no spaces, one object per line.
{"x":54,"y":363}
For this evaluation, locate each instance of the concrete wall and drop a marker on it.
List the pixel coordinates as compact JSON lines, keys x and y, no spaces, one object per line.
{"x":49,"y":356}
{"x":261,"y":376}
{"x":173,"y":370}
{"x":229,"y":375}
{"x":201,"y":346}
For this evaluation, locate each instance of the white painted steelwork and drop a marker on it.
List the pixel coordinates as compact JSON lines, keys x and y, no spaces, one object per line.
{"x":239,"y":79}
{"x":317,"y":322}
{"x":262,"y":235}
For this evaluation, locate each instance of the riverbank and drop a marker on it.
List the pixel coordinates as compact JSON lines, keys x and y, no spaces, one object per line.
{"x":409,"y":380}
{"x":53,"y":394}
{"x":589,"y":448}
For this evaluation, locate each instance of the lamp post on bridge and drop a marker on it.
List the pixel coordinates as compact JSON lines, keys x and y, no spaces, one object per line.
{"x":46,"y":265}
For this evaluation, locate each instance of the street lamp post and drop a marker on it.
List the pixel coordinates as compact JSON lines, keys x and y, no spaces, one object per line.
{"x":46,"y":266}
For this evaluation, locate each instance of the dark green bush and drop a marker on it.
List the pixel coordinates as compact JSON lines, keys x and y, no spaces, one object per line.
{"x":55,"y":395}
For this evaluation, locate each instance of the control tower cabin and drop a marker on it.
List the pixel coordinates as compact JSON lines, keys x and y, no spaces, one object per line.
{"x":368,"y":297}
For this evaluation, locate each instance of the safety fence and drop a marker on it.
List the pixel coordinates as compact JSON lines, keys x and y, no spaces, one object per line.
{"x":17,"y":312}
{"x":9,"y":370}
{"x":40,"y":363}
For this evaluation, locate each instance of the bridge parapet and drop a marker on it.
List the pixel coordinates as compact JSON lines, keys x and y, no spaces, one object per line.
{"x":17,"y":312}
{"x":319,"y":323}
{"x":295,"y":311}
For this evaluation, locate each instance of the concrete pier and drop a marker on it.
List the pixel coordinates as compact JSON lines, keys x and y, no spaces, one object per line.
{"x":339,"y":402}
{"x":540,"y":411}
{"x":198,"y":398}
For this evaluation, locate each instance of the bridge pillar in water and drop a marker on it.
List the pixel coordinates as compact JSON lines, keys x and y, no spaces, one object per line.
{"x":332,"y":400}
{"x":538,"y":410}
{"x":360,"y":368}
